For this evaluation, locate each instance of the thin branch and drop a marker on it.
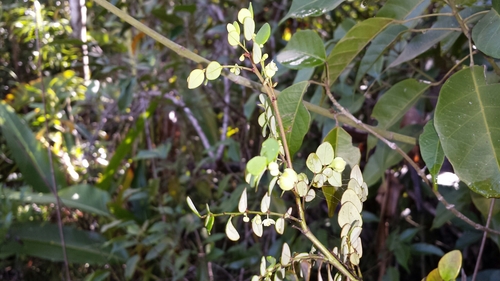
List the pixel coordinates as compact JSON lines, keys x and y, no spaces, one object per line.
{"x":483,"y":241}
{"x":204,"y":140}
{"x":52,"y":184}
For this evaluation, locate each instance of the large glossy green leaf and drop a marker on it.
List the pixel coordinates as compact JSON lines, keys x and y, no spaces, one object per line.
{"x":486,"y":34}
{"x":342,"y":146}
{"x":352,"y":43}
{"x":295,"y":116}
{"x":304,"y":50}
{"x":431,"y":149}
{"x":310,"y":8}
{"x":398,"y":9}
{"x":124,"y":148}
{"x":396,"y":102}
{"x":42,"y":240}
{"x":378,"y":46}
{"x":468,"y":124}
{"x":29,"y":155}
{"x":423,"y":42}
{"x":84,"y":197}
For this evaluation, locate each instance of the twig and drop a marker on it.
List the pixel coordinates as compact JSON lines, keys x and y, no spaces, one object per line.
{"x":194,"y":122}
{"x":225,"y":118}
{"x":483,"y":241}
{"x":52,"y":184}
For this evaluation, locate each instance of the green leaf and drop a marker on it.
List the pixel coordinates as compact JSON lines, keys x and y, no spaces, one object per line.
{"x":486,"y":34}
{"x":197,"y":76}
{"x":352,"y":43}
{"x":305,"y":49}
{"x":423,"y":42}
{"x":156,"y":251}
{"x":397,"y":101}
{"x":325,"y":153}
{"x":192,"y":206}
{"x":124,"y":148}
{"x":127,"y":89}
{"x":426,"y":249}
{"x":29,"y":155}
{"x":431,"y":149}
{"x":376,"y":49}
{"x":466,"y":120}
{"x":42,"y":240}
{"x":131,"y":266}
{"x":397,"y":9}
{"x":310,"y":8}
{"x":84,"y":197}
{"x":434,"y":276}
{"x":496,"y":5}
{"x":263,"y":34}
{"x":270,"y":149}
{"x":342,"y":145}
{"x":294,"y":115}
{"x":257,"y":165}
{"x":213,"y":71}
{"x":449,"y":265}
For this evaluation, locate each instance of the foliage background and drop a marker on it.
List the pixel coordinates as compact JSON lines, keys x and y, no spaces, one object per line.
{"x":125,"y":144}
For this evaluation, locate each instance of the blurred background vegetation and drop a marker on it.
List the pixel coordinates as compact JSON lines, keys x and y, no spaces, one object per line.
{"x":128,"y":147}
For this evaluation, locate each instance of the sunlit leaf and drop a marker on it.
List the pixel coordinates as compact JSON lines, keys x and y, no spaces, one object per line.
{"x":313,"y":163}
{"x":349,"y":214}
{"x":257,"y":226}
{"x":325,"y":153}
{"x":248,"y":28}
{"x":335,"y":179}
{"x":285,"y":255}
{"x":301,"y":188}
{"x":257,"y":165}
{"x":243,"y":14}
{"x":486,"y":34}
{"x":394,"y":104}
{"x":450,"y":264}
{"x":270,"y":149}
{"x":467,"y":123}
{"x":352,"y":43}
{"x":351,"y":196}
{"x":431,"y":149}
{"x":242,"y":205}
{"x":195,"y":78}
{"x":304,"y":50}
{"x":231,"y":231}
{"x":265,"y":203}
{"x":256,"y":53}
{"x":295,"y":116}
{"x":213,"y":70}
{"x":233,"y":38}
{"x":311,"y":194}
{"x":280,"y":225}
{"x":310,"y":8}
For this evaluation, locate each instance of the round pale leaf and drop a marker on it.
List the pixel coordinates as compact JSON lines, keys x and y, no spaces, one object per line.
{"x":244,"y":13}
{"x":335,"y":179}
{"x":233,"y":38}
{"x":257,"y":226}
{"x":242,"y":205}
{"x":351,"y":196}
{"x":313,"y":163}
{"x":265,"y":203}
{"x":256,"y":53}
{"x":311,"y":194}
{"x":248,"y":28}
{"x":348,"y":214}
{"x":213,"y":71}
{"x":196,"y":78}
{"x":325,"y":153}
{"x":231,"y":231}
{"x":301,"y":188}
{"x":356,"y":174}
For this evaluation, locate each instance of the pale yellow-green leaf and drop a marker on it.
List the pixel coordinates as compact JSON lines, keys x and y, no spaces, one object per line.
{"x":335,"y":179}
{"x":233,"y":38}
{"x":356,"y":174}
{"x":354,"y":258}
{"x":348,"y":214}
{"x":265,"y":203}
{"x":287,"y":179}
{"x":213,"y":70}
{"x":256,"y":53}
{"x":236,"y":27}
{"x":325,"y":153}
{"x":319,"y":180}
{"x":230,"y":28}
{"x":280,"y":225}
{"x":351,"y":196}
{"x":338,"y":164}
{"x":195,"y":78}
{"x":285,"y":255}
{"x":192,"y":206}
{"x":242,"y":205}
{"x":311,"y":194}
{"x":262,"y":266}
{"x":450,"y":264}
{"x":244,"y":13}
{"x":313,"y":163}
{"x":248,"y":28}
{"x":257,"y":227}
{"x":301,"y":188}
{"x":231,"y":231}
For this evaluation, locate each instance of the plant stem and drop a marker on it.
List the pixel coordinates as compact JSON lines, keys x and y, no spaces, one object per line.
{"x":483,"y":241}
